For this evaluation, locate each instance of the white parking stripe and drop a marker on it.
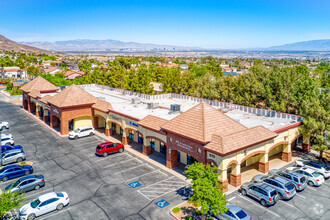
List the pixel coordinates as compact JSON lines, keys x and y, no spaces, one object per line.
{"x":312,"y":189}
{"x":111,"y":165}
{"x":38,"y":192}
{"x":301,"y":196}
{"x":162,"y":173}
{"x":286,"y":203}
{"x":157,"y":182}
{"x":232,"y":198}
{"x":129,"y":169}
{"x":141,"y":176}
{"x":251,"y":201}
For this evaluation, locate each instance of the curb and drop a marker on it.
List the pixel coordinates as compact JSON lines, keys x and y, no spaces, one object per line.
{"x":5,"y":95}
{"x":172,"y":214}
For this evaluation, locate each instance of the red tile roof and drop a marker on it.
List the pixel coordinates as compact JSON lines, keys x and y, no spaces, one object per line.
{"x":101,"y":105}
{"x":225,"y":144}
{"x":72,"y":96}
{"x":35,"y":93}
{"x":152,"y":122}
{"x":40,"y":84}
{"x":45,"y":99}
{"x":201,"y":121}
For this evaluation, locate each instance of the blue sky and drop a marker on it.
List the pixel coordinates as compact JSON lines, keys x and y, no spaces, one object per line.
{"x":209,"y":24}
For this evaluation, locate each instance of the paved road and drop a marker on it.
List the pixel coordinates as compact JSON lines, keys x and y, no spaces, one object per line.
{"x":98,"y":187}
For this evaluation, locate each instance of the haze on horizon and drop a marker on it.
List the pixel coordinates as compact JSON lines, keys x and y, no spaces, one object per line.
{"x":209,"y":24}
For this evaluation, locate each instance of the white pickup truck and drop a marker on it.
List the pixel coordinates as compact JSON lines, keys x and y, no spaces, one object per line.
{"x":4,"y":125}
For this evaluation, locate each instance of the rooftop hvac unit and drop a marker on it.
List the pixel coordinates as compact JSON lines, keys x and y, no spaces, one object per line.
{"x":136,"y":101}
{"x":175,"y":108}
{"x":153,"y":105}
{"x":101,"y":98}
{"x":62,"y":87}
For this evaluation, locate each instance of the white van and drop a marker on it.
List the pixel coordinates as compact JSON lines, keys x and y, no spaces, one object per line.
{"x":82,"y":132}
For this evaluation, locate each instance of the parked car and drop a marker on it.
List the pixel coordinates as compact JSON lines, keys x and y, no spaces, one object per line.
{"x":82,"y":132}
{"x":109,"y":147}
{"x":12,"y":156}
{"x":313,"y":177}
{"x":321,"y":167}
{"x":27,"y":183}
{"x":44,"y":204}
{"x":7,"y":139}
{"x":264,"y":193}
{"x":13,"y":171}
{"x":8,"y":147}
{"x":234,"y":213}
{"x":284,"y":187}
{"x":298,"y":179}
{"x":4,"y":124}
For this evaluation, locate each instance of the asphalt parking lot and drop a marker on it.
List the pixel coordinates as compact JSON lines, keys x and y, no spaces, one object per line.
{"x":311,"y":203}
{"x":120,"y":186}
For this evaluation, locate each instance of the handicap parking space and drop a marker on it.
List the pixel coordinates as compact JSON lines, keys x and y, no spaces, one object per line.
{"x":98,"y":186}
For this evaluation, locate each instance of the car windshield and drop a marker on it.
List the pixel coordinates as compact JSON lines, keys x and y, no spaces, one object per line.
{"x":99,"y":147}
{"x":315,"y":174}
{"x":2,"y":155}
{"x":1,"y":170}
{"x":35,"y":203}
{"x":60,"y":194}
{"x":77,"y":130}
{"x":302,"y":179}
{"x":16,"y":183}
{"x":289,"y":186}
{"x":241,"y":214}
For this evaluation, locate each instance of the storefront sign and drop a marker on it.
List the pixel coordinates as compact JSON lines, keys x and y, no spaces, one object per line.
{"x":183,"y":145}
{"x":134,"y":124}
{"x":55,"y":110}
{"x":211,"y":155}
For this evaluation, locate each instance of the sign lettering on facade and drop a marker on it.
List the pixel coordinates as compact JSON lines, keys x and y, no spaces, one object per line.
{"x":211,"y":155}
{"x":55,"y":110}
{"x":115,"y":117}
{"x":134,"y":124}
{"x":183,"y":145}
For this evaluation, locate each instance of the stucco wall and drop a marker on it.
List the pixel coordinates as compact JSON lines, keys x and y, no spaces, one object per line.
{"x":82,"y":121}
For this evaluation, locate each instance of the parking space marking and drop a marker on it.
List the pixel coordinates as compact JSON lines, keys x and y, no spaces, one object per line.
{"x":141,"y":175}
{"x":252,"y":201}
{"x":312,"y":189}
{"x":162,"y":173}
{"x":111,"y":165}
{"x":160,"y":181}
{"x":232,"y":198}
{"x":286,"y":203}
{"x":55,"y":212}
{"x":38,"y":192}
{"x":301,"y":196}
{"x":128,"y":169}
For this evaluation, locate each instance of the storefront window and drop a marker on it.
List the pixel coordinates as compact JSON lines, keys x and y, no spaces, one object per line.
{"x":179,"y":156}
{"x":121,"y":131}
{"x":114,"y":127}
{"x":190,"y":160}
{"x":140,"y":139}
{"x":152,"y":143}
{"x":162,"y":148}
{"x":131,"y":135}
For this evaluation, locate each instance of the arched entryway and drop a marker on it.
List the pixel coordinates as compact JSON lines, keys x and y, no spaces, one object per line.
{"x":55,"y":123}
{"x":32,"y":108}
{"x":234,"y":173}
{"x":25,"y":104}
{"x":100,"y":123}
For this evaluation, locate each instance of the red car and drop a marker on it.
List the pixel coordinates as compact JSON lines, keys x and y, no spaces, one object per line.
{"x":109,"y":147}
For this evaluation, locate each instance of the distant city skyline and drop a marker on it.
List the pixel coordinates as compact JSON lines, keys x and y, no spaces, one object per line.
{"x":219,"y":24}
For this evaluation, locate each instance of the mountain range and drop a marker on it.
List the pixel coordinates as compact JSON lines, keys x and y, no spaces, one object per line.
{"x":104,"y":45}
{"x":9,"y":45}
{"x":312,"y":45}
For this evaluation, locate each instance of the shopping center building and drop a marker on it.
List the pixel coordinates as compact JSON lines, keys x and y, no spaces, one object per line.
{"x":183,"y":129}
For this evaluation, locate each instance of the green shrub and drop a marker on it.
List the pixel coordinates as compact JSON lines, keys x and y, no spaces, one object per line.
{"x":189,"y":218}
{"x":198,"y":213}
{"x":16,"y":91}
{"x":209,"y":218}
{"x":176,"y":210}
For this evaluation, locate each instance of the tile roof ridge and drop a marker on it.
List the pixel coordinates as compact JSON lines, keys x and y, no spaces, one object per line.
{"x":203,"y":120}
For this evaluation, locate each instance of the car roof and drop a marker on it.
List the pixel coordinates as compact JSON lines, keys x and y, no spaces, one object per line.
{"x":265,"y":186}
{"x":279,"y":179}
{"x":12,"y":166}
{"x":47,"y":196}
{"x":6,"y":135}
{"x":308,"y":170}
{"x":294,"y":173}
{"x":104,"y":143}
{"x":87,"y":126}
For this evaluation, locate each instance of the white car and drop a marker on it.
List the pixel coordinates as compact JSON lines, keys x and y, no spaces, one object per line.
{"x":82,"y":132}
{"x":4,"y":124}
{"x":320,"y":167}
{"x":7,"y":139}
{"x":44,"y":204}
{"x":313,"y":177}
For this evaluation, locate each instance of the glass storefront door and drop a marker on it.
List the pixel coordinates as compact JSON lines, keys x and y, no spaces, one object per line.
{"x":190,"y":159}
{"x":152,"y":144}
{"x":114,"y":128}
